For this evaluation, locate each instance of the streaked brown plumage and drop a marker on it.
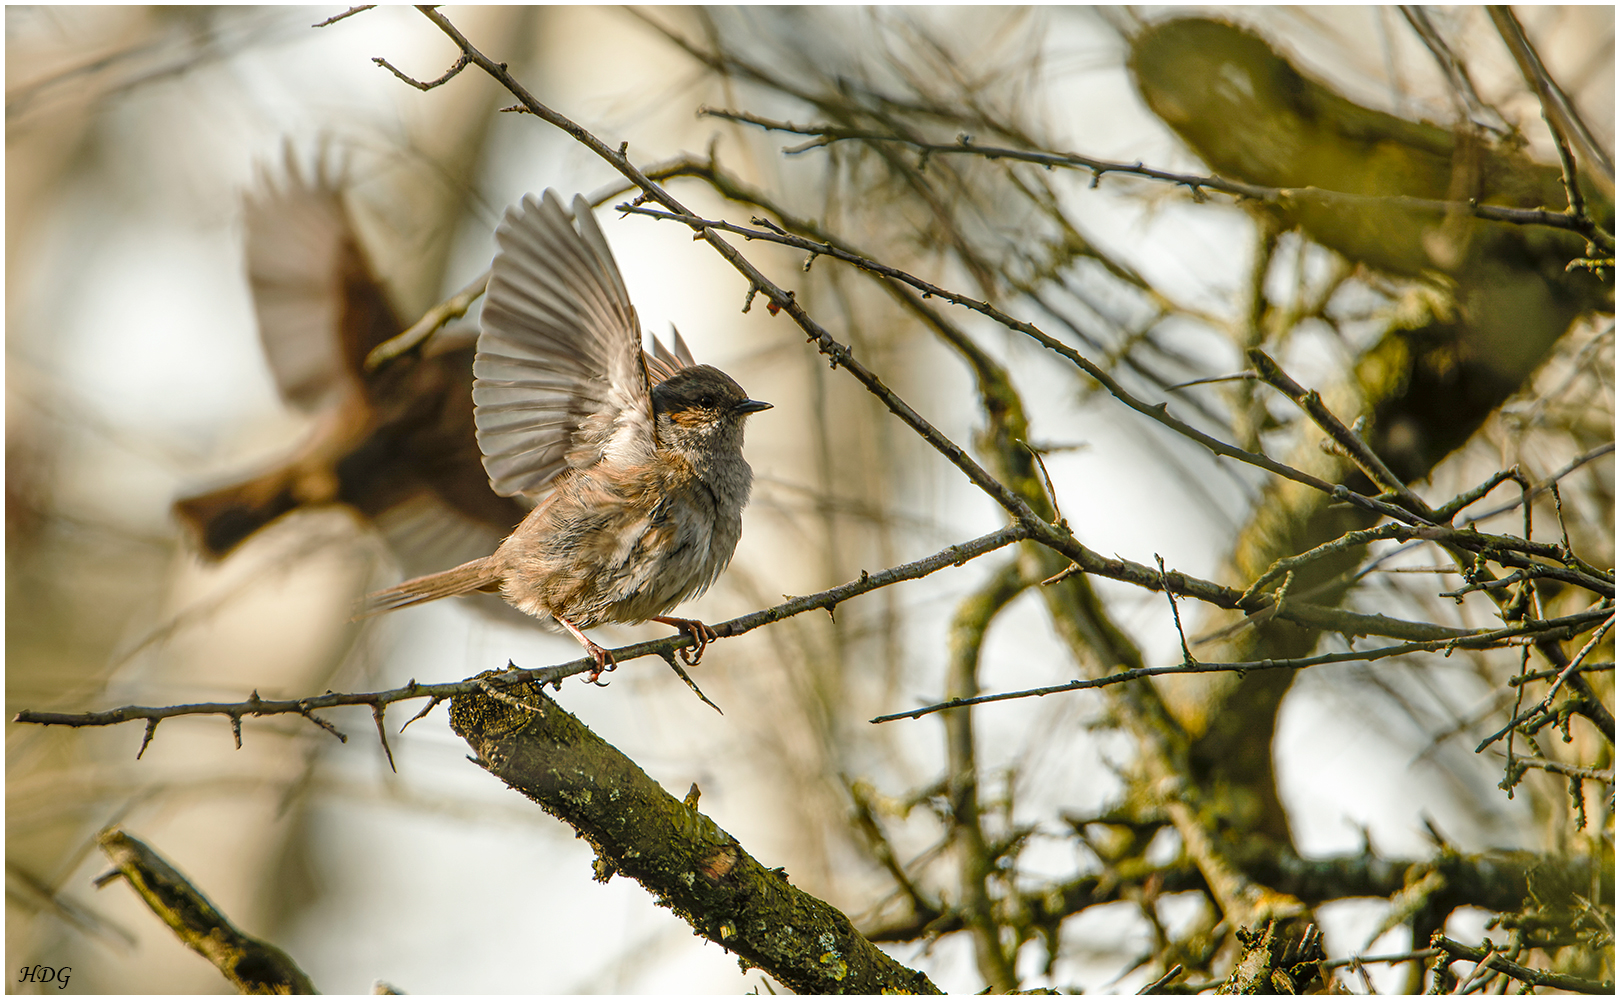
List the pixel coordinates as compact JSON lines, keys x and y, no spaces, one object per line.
{"x":641,"y":453}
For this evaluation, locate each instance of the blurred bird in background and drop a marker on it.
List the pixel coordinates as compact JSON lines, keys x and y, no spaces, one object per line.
{"x":396,"y":445}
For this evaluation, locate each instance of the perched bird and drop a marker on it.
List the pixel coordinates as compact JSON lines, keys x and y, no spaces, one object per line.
{"x":641,"y":453}
{"x":397,"y":446}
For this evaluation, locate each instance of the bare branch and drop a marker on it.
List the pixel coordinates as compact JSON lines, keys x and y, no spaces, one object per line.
{"x":839,"y":355}
{"x":432,"y":321}
{"x":348,"y":13}
{"x":1479,"y":492}
{"x":1568,"y":673}
{"x":1573,"y":770}
{"x":1535,"y":977}
{"x":1513,"y":635}
{"x":954,"y":555}
{"x":1197,"y":184}
{"x":1600,"y":583}
{"x":449,"y":74}
{"x":1556,"y":105}
{"x":1156,"y":411}
{"x":1311,"y":402}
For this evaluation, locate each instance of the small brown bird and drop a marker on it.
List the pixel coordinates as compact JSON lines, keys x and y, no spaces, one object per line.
{"x":642,"y":453}
{"x":397,"y":445}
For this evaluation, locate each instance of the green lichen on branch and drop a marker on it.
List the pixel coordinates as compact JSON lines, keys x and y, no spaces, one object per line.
{"x":251,"y":965}
{"x":678,"y":854}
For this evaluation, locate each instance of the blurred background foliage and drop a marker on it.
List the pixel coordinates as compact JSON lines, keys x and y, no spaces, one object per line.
{"x":1025,"y":845}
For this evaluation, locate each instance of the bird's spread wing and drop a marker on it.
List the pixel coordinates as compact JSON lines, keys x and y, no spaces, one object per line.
{"x":320,"y":310}
{"x":560,"y":379}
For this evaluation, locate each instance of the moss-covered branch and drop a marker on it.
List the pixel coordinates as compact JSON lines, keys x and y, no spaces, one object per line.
{"x":252,"y":966}
{"x":678,"y":854}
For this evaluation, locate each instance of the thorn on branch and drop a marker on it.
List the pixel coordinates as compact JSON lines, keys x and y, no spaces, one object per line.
{"x":1046,"y":484}
{"x":460,"y":65}
{"x":236,"y":728}
{"x":377,"y":712}
{"x":517,"y":109}
{"x":1061,"y":575}
{"x":151,"y":730}
{"x":674,"y":664}
{"x":430,"y":706}
{"x":1175,"y":612}
{"x":306,"y":713}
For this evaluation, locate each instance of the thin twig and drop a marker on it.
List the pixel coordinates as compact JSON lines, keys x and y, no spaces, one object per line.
{"x":1559,"y":109}
{"x":1599,"y":583}
{"x":449,"y":74}
{"x":1606,"y":448}
{"x":348,"y":13}
{"x":1575,"y":663}
{"x":1572,"y":624}
{"x":1155,"y":411}
{"x":431,"y":322}
{"x":1195,"y":183}
{"x":1410,"y":956}
{"x":1535,"y":977}
{"x":1175,"y":612}
{"x":1565,"y":674}
{"x":1573,"y":770}
{"x":1365,"y":458}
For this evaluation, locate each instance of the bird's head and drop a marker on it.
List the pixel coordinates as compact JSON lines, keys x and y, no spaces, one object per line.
{"x":700,"y":411}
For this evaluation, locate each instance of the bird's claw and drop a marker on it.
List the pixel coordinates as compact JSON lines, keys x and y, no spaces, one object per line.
{"x":701,"y":635}
{"x":604,"y":664}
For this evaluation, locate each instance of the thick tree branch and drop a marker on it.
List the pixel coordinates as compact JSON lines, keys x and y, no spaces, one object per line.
{"x":680,"y":855}
{"x":251,"y":965}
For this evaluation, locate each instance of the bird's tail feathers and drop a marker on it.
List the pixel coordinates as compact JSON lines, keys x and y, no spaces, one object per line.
{"x":478,"y":575}
{"x":224,"y":519}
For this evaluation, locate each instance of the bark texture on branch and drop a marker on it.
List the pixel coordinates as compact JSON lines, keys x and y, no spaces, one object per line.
{"x":1275,"y":962}
{"x":251,"y":965}
{"x":678,"y":854}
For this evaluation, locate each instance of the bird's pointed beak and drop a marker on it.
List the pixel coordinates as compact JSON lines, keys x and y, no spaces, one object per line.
{"x":751,"y":406}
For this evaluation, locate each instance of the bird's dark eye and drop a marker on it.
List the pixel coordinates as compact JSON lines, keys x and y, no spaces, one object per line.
{"x":706,"y":401}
